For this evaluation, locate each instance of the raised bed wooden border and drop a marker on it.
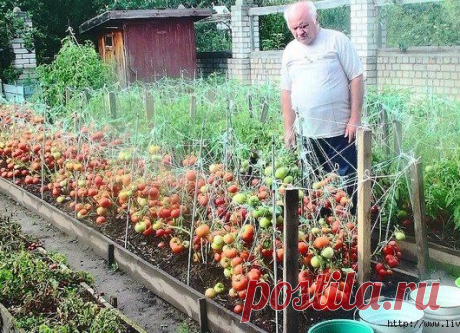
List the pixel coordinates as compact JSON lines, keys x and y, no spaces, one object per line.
{"x":437,"y":254}
{"x":7,"y":322}
{"x":173,"y":291}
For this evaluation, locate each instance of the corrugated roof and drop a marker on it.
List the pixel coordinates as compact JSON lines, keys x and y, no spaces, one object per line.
{"x":120,"y":15}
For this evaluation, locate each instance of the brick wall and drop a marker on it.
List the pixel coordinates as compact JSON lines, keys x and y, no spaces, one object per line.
{"x":212,"y":62}
{"x":423,"y":70}
{"x":24,"y":59}
{"x":265,"y":66}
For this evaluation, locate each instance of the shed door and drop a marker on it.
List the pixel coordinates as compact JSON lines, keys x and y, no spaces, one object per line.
{"x":164,"y":47}
{"x":111,"y":50}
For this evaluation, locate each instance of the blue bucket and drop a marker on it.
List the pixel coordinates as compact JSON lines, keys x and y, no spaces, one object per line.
{"x":341,"y":326}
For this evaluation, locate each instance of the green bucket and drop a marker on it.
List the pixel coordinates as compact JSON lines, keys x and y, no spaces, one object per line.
{"x":341,"y":326}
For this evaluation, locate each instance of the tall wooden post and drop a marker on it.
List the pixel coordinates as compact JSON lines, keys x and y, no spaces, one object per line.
{"x":386,"y":132}
{"x":149,"y":109}
{"x":112,"y":105}
{"x":291,"y":255}
{"x":398,"y":137}
{"x":67,"y":96}
{"x":418,"y":208}
{"x":193,"y":107}
{"x":263,"y":116}
{"x":364,"y":142}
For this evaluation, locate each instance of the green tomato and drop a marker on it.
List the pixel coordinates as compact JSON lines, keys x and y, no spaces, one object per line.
{"x":316,"y":262}
{"x":400,"y":235}
{"x":281,"y":173}
{"x":218,"y":240}
{"x":228,"y":272}
{"x":268,"y":171}
{"x":139,"y":227}
{"x":315,"y":231}
{"x":402,"y":214}
{"x":219,"y":287}
{"x":288,"y":179}
{"x":429,"y":169}
{"x":265,"y":222}
{"x":327,"y":252}
{"x":240,"y":198}
{"x":269,"y":181}
{"x":253,"y":200}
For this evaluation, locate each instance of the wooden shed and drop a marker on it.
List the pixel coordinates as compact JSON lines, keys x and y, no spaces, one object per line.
{"x":147,"y":44}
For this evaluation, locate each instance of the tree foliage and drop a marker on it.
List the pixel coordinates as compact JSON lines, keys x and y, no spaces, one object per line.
{"x":9,"y":25}
{"x":76,"y":67}
{"x":423,"y":24}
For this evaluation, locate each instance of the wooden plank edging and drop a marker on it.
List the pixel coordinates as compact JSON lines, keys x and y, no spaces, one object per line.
{"x":173,"y":291}
{"x":7,"y":322}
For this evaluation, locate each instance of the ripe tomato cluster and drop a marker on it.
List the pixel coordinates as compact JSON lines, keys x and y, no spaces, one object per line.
{"x":391,"y":253}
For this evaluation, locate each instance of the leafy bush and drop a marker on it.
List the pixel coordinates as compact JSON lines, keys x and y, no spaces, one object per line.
{"x":76,"y":67}
{"x":10,"y":25}
{"x":423,"y":24}
{"x":209,"y":39}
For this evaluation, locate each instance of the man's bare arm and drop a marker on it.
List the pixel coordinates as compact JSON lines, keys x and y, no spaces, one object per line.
{"x":356,"y":105}
{"x":288,"y":118}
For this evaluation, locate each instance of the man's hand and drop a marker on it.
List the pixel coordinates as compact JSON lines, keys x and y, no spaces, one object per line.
{"x":289,"y":139}
{"x":352,"y":127}
{"x":356,"y":105}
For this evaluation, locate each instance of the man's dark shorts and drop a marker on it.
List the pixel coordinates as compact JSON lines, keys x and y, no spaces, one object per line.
{"x":332,"y":154}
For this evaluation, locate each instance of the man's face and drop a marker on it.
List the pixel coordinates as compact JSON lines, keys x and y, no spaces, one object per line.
{"x":303,"y":27}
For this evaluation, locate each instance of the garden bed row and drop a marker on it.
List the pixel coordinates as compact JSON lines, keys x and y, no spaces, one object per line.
{"x":39,"y":292}
{"x":212,"y":316}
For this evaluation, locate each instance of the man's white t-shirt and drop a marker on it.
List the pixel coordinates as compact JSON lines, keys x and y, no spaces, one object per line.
{"x":318,"y":77}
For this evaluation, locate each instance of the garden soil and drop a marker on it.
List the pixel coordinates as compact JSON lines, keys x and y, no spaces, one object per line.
{"x":135,"y":301}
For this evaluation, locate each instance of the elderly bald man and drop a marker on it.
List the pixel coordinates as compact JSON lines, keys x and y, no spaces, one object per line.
{"x":322,"y":91}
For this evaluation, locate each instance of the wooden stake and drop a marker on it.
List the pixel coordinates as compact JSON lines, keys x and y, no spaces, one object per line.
{"x":398,"y":137}
{"x":418,"y":208}
{"x":192,"y":107}
{"x":113,"y":300}
{"x":291,"y":256}
{"x":110,"y":254}
{"x":263,"y":116}
{"x":67,"y":96}
{"x":386,"y":131}
{"x":112,"y":105}
{"x":149,"y":109}
{"x":364,"y":141}
{"x":87,"y":96}
{"x":203,"y":315}
{"x":211,"y":95}
{"x":250,"y":106}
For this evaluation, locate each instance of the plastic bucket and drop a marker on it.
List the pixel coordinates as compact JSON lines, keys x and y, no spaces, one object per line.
{"x":448,"y":300}
{"x":447,"y":317}
{"x":391,"y":320}
{"x":341,"y":326}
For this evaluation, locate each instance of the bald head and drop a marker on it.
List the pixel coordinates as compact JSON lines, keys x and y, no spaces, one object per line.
{"x":302,"y":6}
{"x":301,"y":18}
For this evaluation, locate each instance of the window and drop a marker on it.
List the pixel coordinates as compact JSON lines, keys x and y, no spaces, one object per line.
{"x":108,"y":40}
